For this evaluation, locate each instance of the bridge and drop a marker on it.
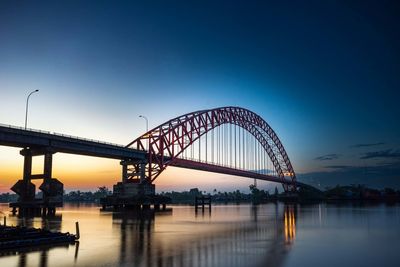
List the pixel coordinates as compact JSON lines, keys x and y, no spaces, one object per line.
{"x":226,"y":140}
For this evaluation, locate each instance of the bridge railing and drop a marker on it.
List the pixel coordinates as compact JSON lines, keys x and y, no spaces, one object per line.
{"x":86,"y":139}
{"x":59,"y":134}
{"x":23,"y":128}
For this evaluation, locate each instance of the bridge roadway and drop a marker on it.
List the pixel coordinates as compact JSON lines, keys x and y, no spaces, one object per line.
{"x":19,"y":137}
{"x":204,"y":166}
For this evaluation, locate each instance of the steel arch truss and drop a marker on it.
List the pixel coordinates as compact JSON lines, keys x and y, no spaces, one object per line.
{"x":169,"y":140}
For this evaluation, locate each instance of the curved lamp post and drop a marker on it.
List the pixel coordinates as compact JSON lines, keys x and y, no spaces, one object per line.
{"x":26,"y":108}
{"x":147,"y":129}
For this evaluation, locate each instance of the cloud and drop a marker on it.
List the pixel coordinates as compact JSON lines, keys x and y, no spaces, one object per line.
{"x":389,"y":153}
{"x":328,"y":157}
{"x":376,"y":176}
{"x":338,"y":167}
{"x":367,"y":145}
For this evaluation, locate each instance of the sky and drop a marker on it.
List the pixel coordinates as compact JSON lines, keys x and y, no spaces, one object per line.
{"x":323,"y":74}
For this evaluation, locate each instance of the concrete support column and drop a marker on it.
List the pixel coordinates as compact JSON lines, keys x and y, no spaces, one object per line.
{"x":48,"y":165}
{"x":27,"y":164}
{"x":47,"y":172}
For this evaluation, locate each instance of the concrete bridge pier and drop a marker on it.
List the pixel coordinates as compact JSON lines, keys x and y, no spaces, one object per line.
{"x":134,"y":182}
{"x":52,"y":189}
{"x":135,"y":191}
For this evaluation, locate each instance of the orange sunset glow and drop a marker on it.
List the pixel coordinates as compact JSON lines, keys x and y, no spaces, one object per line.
{"x":88,"y":173}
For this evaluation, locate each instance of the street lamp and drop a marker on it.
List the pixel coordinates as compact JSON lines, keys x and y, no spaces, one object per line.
{"x":26,"y":108}
{"x":147,"y":129}
{"x":147,"y":122}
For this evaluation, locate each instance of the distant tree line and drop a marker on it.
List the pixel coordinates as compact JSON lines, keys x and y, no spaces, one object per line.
{"x":187,"y":197}
{"x":72,"y":196}
{"x":361,"y":192}
{"x":256,"y":195}
{"x":88,"y":196}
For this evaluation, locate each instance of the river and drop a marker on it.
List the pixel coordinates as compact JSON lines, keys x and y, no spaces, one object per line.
{"x":230,"y":235}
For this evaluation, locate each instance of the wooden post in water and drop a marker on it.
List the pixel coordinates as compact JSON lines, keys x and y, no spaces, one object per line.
{"x":202,"y":201}
{"x":77,"y":230}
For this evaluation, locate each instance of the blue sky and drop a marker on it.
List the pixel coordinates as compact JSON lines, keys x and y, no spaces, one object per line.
{"x":323,"y":74}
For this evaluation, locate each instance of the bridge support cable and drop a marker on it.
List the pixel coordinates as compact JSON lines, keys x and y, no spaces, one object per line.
{"x":206,"y":148}
{"x":234,"y":127}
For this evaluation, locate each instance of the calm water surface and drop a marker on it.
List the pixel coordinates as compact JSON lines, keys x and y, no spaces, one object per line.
{"x":231,"y":235}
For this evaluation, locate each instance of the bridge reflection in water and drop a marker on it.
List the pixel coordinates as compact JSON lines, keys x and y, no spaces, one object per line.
{"x":232,"y":235}
{"x":263,"y":241}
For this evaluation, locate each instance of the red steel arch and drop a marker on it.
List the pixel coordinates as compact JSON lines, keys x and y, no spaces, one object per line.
{"x":170,"y":139}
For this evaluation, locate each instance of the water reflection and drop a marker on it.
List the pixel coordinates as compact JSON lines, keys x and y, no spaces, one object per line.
{"x":262,"y":241}
{"x":43,"y":251}
{"x":50,"y":222}
{"x":290,"y":223}
{"x":230,"y":235}
{"x":136,"y":228}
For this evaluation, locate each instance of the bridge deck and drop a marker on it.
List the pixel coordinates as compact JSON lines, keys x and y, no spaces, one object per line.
{"x":202,"y":166}
{"x":19,"y":137}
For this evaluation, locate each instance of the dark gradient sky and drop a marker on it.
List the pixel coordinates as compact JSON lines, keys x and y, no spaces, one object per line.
{"x":324,"y":74}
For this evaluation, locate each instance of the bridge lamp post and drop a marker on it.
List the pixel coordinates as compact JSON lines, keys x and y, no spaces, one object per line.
{"x":147,"y":129}
{"x":26,"y":108}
